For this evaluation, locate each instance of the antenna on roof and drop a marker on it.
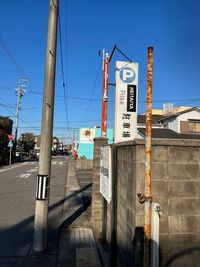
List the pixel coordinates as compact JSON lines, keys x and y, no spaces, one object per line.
{"x":168,"y":109}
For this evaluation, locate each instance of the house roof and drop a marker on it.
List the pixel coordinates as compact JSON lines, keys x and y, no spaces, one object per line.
{"x":178,"y":113}
{"x":169,"y":134}
{"x":141,"y":118}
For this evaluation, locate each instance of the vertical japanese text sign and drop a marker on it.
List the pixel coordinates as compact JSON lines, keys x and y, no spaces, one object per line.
{"x":105,"y":173}
{"x":126,"y":93}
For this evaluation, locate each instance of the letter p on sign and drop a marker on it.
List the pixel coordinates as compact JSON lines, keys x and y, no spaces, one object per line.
{"x":127,"y":75}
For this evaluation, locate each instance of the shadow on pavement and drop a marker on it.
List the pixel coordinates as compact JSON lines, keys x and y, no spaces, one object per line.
{"x":17,"y":240}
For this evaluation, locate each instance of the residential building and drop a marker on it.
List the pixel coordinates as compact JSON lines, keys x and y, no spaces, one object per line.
{"x":55,"y":143}
{"x":86,"y":141}
{"x":184,"y":124}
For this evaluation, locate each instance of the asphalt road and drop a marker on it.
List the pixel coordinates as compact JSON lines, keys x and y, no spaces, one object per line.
{"x":17,"y":205}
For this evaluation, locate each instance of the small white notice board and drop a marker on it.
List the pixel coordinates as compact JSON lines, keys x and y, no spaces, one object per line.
{"x":105,"y":173}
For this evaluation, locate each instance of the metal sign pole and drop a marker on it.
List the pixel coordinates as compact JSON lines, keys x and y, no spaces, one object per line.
{"x":105,"y":96}
{"x":147,"y":215}
{"x":10,"y":157}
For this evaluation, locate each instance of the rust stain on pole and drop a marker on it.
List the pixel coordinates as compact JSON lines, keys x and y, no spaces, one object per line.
{"x":147,"y":219}
{"x":105,"y":97}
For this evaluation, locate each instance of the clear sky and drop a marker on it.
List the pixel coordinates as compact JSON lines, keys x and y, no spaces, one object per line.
{"x":87,"y":26}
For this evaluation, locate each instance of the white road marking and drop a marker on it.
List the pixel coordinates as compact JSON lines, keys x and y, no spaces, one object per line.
{"x":32,"y":170}
{"x":28,"y":173}
{"x":22,"y":176}
{"x":61,"y":162}
{"x":13,"y":167}
{"x":32,"y":163}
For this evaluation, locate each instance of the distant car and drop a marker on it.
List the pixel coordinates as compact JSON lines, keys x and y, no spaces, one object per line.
{"x":53,"y":153}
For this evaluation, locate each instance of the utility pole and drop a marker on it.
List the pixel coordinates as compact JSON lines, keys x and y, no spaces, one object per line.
{"x":105,"y":95}
{"x":19,"y":91}
{"x":43,"y":179}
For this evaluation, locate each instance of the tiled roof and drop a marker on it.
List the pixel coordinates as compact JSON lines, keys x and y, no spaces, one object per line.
{"x":155,"y":119}
{"x":169,"y":134}
{"x":179,"y":113}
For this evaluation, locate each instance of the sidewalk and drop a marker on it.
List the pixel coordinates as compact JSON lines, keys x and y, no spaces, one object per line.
{"x":77,"y":246}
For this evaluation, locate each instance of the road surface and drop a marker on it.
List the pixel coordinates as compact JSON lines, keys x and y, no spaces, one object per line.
{"x":17,"y":205}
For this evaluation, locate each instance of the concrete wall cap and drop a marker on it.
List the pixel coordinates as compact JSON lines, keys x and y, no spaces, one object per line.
{"x":160,"y":142}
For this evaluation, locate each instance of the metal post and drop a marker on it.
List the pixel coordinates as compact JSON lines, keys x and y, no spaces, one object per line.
{"x":155,"y":221}
{"x":10,"y":156}
{"x":104,"y":130}
{"x":105,"y":96}
{"x":147,"y":215}
{"x":113,"y":245}
{"x":43,"y":181}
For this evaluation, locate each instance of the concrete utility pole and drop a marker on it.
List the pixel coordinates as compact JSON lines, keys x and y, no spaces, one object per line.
{"x":105,"y":95}
{"x":43,"y":179}
{"x":19,"y":91}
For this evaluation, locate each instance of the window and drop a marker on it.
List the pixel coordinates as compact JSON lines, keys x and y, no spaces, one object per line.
{"x":194,"y":126}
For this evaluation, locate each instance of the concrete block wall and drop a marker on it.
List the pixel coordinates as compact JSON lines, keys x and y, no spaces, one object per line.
{"x":97,"y":199}
{"x":125,"y":205}
{"x":108,"y":223}
{"x":175,"y":186}
{"x":84,"y":164}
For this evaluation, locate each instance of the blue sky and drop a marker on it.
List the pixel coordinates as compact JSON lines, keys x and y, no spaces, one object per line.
{"x":171,"y":27}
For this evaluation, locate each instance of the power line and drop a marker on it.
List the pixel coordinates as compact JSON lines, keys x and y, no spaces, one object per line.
{"x":34,"y":72}
{"x":11,"y":56}
{"x":93,"y":89}
{"x":13,"y":59}
{"x":15,"y":115}
{"x":62,"y":66}
{"x":184,"y":100}
{"x":62,"y":72}
{"x":8,"y":106}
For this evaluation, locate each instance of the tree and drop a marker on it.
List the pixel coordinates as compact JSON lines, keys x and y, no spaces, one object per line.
{"x":27,"y":141}
{"x":5,"y":130}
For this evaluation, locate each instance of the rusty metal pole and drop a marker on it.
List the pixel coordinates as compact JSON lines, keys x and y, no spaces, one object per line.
{"x":105,"y":96}
{"x":147,"y":215}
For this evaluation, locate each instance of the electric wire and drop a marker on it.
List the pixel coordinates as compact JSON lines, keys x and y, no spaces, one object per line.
{"x":27,"y":123}
{"x":14,"y":60}
{"x":11,"y":56}
{"x":182,"y":101}
{"x":62,"y":68}
{"x":93,"y":90}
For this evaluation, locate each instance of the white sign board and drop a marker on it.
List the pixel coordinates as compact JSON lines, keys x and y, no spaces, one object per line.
{"x":126,"y":99}
{"x":87,"y":135}
{"x":105,"y":172}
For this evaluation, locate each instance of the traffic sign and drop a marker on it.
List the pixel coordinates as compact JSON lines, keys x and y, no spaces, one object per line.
{"x":10,"y":137}
{"x":10,"y":144}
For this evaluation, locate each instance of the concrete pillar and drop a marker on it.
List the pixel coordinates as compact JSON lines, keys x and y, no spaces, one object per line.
{"x":97,"y":198}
